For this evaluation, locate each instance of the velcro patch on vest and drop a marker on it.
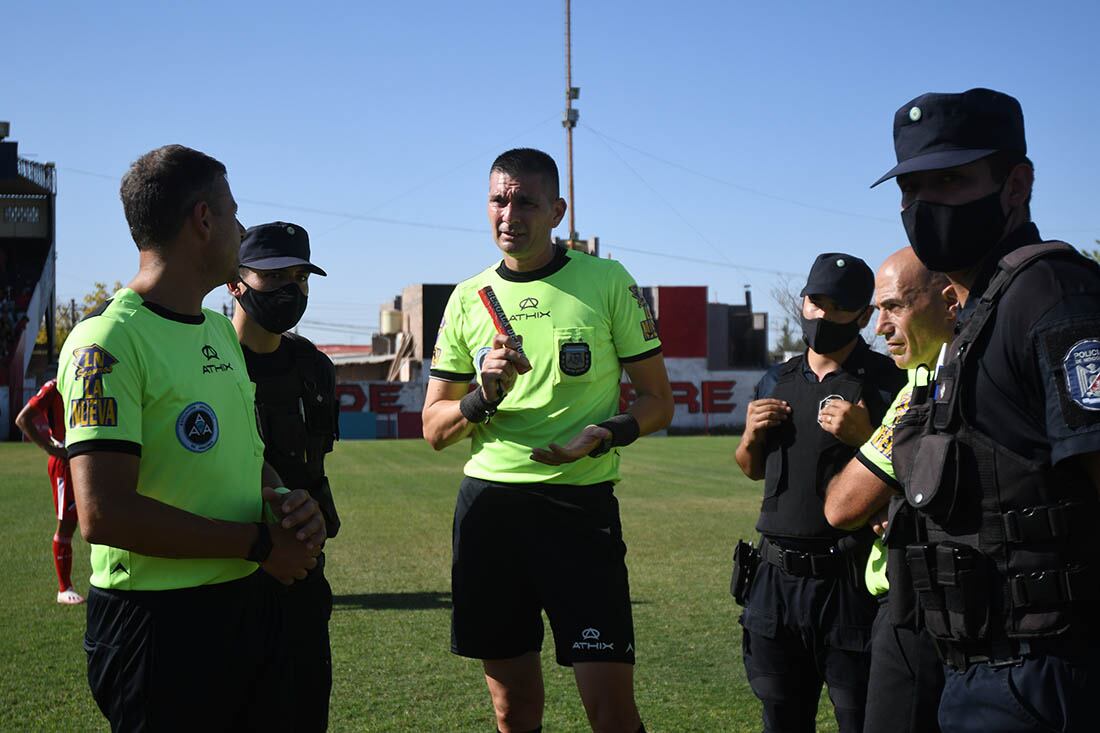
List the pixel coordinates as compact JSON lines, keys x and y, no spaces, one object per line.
{"x":1082,"y":365}
{"x":1073,"y":353}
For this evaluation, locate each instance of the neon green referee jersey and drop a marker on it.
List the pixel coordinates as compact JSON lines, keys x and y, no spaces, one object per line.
{"x":877,"y":454}
{"x":174,"y":390}
{"x":580,"y":319}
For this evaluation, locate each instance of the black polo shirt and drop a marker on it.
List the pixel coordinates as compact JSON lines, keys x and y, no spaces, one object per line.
{"x":1036,"y":388}
{"x":862,"y":362}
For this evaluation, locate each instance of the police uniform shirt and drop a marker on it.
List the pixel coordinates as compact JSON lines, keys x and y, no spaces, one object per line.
{"x":1035,"y":388}
{"x":856,"y":364}
{"x":580,"y":318}
{"x":172,"y":389}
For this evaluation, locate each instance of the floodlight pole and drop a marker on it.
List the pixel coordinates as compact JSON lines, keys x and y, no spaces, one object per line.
{"x":569,"y":120}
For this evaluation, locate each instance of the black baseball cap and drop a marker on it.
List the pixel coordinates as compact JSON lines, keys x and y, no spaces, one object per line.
{"x":844,"y":278}
{"x":275,"y":246}
{"x":937,"y":131}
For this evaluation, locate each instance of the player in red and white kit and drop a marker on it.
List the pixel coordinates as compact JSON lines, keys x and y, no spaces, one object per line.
{"x":42,"y":420}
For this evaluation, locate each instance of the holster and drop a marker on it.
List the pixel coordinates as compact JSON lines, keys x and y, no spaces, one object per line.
{"x":746,"y":559}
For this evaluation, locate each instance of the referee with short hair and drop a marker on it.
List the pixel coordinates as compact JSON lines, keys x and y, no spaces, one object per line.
{"x":168,"y":466}
{"x":537,"y":523}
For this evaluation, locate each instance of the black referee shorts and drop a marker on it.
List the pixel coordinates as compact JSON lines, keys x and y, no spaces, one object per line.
{"x":522,"y":548}
{"x":210,"y":658}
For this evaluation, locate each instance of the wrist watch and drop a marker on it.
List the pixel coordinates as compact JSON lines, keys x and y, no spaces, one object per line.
{"x":261,"y":547}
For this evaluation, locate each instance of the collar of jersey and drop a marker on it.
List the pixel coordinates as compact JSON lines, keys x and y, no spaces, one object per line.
{"x":171,"y":315}
{"x":560,"y":260}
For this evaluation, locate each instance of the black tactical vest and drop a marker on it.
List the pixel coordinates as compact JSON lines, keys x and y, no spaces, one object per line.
{"x":801,"y":457}
{"x":297,"y":415}
{"x":1004,"y":546}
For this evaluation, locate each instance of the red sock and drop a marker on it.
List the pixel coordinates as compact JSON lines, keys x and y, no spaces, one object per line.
{"x":63,"y":561}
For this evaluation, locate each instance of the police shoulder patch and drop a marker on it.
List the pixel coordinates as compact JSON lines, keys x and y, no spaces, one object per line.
{"x":197,"y":427}
{"x":1082,"y":367}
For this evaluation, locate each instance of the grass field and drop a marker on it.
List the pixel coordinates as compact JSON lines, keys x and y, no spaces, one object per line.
{"x":683,"y":506}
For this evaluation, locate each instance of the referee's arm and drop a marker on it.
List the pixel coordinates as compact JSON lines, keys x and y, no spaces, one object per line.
{"x":444,"y":424}
{"x":112,"y":512}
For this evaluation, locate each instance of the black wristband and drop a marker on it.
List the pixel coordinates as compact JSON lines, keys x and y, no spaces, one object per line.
{"x":475,"y":408}
{"x":624,"y":431}
{"x":261,"y":547}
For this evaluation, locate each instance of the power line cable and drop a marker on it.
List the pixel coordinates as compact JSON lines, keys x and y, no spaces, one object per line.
{"x":738,"y":186}
{"x":663,"y":200}
{"x":433,"y":179}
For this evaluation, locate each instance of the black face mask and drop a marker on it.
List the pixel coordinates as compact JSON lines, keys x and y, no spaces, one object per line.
{"x":951,"y":238}
{"x":275,"y":310}
{"x":825,"y":337}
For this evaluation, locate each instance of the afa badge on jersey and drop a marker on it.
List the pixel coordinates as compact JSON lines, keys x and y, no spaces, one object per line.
{"x":197,"y":427}
{"x":1082,"y":365}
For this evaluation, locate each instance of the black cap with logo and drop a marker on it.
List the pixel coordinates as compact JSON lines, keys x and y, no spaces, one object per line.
{"x":937,"y":131}
{"x":844,"y":278}
{"x":275,"y":246}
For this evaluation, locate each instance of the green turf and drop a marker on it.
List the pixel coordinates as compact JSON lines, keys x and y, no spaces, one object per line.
{"x":683,"y":501}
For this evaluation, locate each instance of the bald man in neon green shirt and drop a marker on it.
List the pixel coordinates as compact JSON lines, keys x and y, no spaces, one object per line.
{"x":916,"y":317}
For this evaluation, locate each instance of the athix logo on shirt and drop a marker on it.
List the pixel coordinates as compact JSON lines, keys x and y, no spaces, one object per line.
{"x":590,"y":641}
{"x":93,"y":409}
{"x":211,"y":354}
{"x":529,"y":309}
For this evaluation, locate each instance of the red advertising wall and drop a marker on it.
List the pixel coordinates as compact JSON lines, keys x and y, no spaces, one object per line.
{"x":682,"y":320}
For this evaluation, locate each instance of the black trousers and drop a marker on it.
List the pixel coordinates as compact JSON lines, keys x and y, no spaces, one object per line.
{"x":800,"y":633}
{"x":1041,"y":692}
{"x":210,"y":658}
{"x":307,"y":608}
{"x":903,"y":695}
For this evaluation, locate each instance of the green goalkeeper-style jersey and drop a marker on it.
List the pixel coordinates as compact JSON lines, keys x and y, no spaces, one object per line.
{"x":172,"y":389}
{"x":579,"y":318}
{"x":877,"y":454}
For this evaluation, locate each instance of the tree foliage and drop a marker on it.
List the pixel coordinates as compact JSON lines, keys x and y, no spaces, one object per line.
{"x":71,"y":313}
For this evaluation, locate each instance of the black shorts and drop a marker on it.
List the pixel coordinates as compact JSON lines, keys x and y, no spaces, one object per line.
{"x":210,"y":658}
{"x":522,"y":548}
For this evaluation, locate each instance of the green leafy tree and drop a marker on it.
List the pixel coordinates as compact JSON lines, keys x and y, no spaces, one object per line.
{"x":69,"y":314}
{"x":788,"y":341}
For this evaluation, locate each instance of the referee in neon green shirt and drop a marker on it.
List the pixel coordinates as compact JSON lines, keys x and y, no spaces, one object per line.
{"x":536,"y":522}
{"x":916,"y":316}
{"x":169,"y":476}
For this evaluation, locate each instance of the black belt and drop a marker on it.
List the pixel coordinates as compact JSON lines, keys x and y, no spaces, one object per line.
{"x":801,"y":563}
{"x":1003,"y":653}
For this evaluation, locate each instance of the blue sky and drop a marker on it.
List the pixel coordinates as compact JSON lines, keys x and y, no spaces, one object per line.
{"x":744,"y":135}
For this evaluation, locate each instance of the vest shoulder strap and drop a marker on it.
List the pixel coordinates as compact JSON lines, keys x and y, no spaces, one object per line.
{"x":1009,"y":268}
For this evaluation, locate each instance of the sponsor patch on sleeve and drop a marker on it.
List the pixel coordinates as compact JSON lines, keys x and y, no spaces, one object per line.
{"x":93,"y":408}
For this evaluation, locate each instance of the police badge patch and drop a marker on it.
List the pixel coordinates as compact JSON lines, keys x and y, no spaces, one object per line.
{"x":575,"y":358}
{"x":1082,"y":365}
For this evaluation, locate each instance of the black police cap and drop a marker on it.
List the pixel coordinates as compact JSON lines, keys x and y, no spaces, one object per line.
{"x":844,"y":278}
{"x":937,"y":131}
{"x":275,"y":246}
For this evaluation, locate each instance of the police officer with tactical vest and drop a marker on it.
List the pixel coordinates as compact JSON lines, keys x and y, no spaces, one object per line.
{"x":1002,"y":458}
{"x":296,"y":409}
{"x":807,"y":615}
